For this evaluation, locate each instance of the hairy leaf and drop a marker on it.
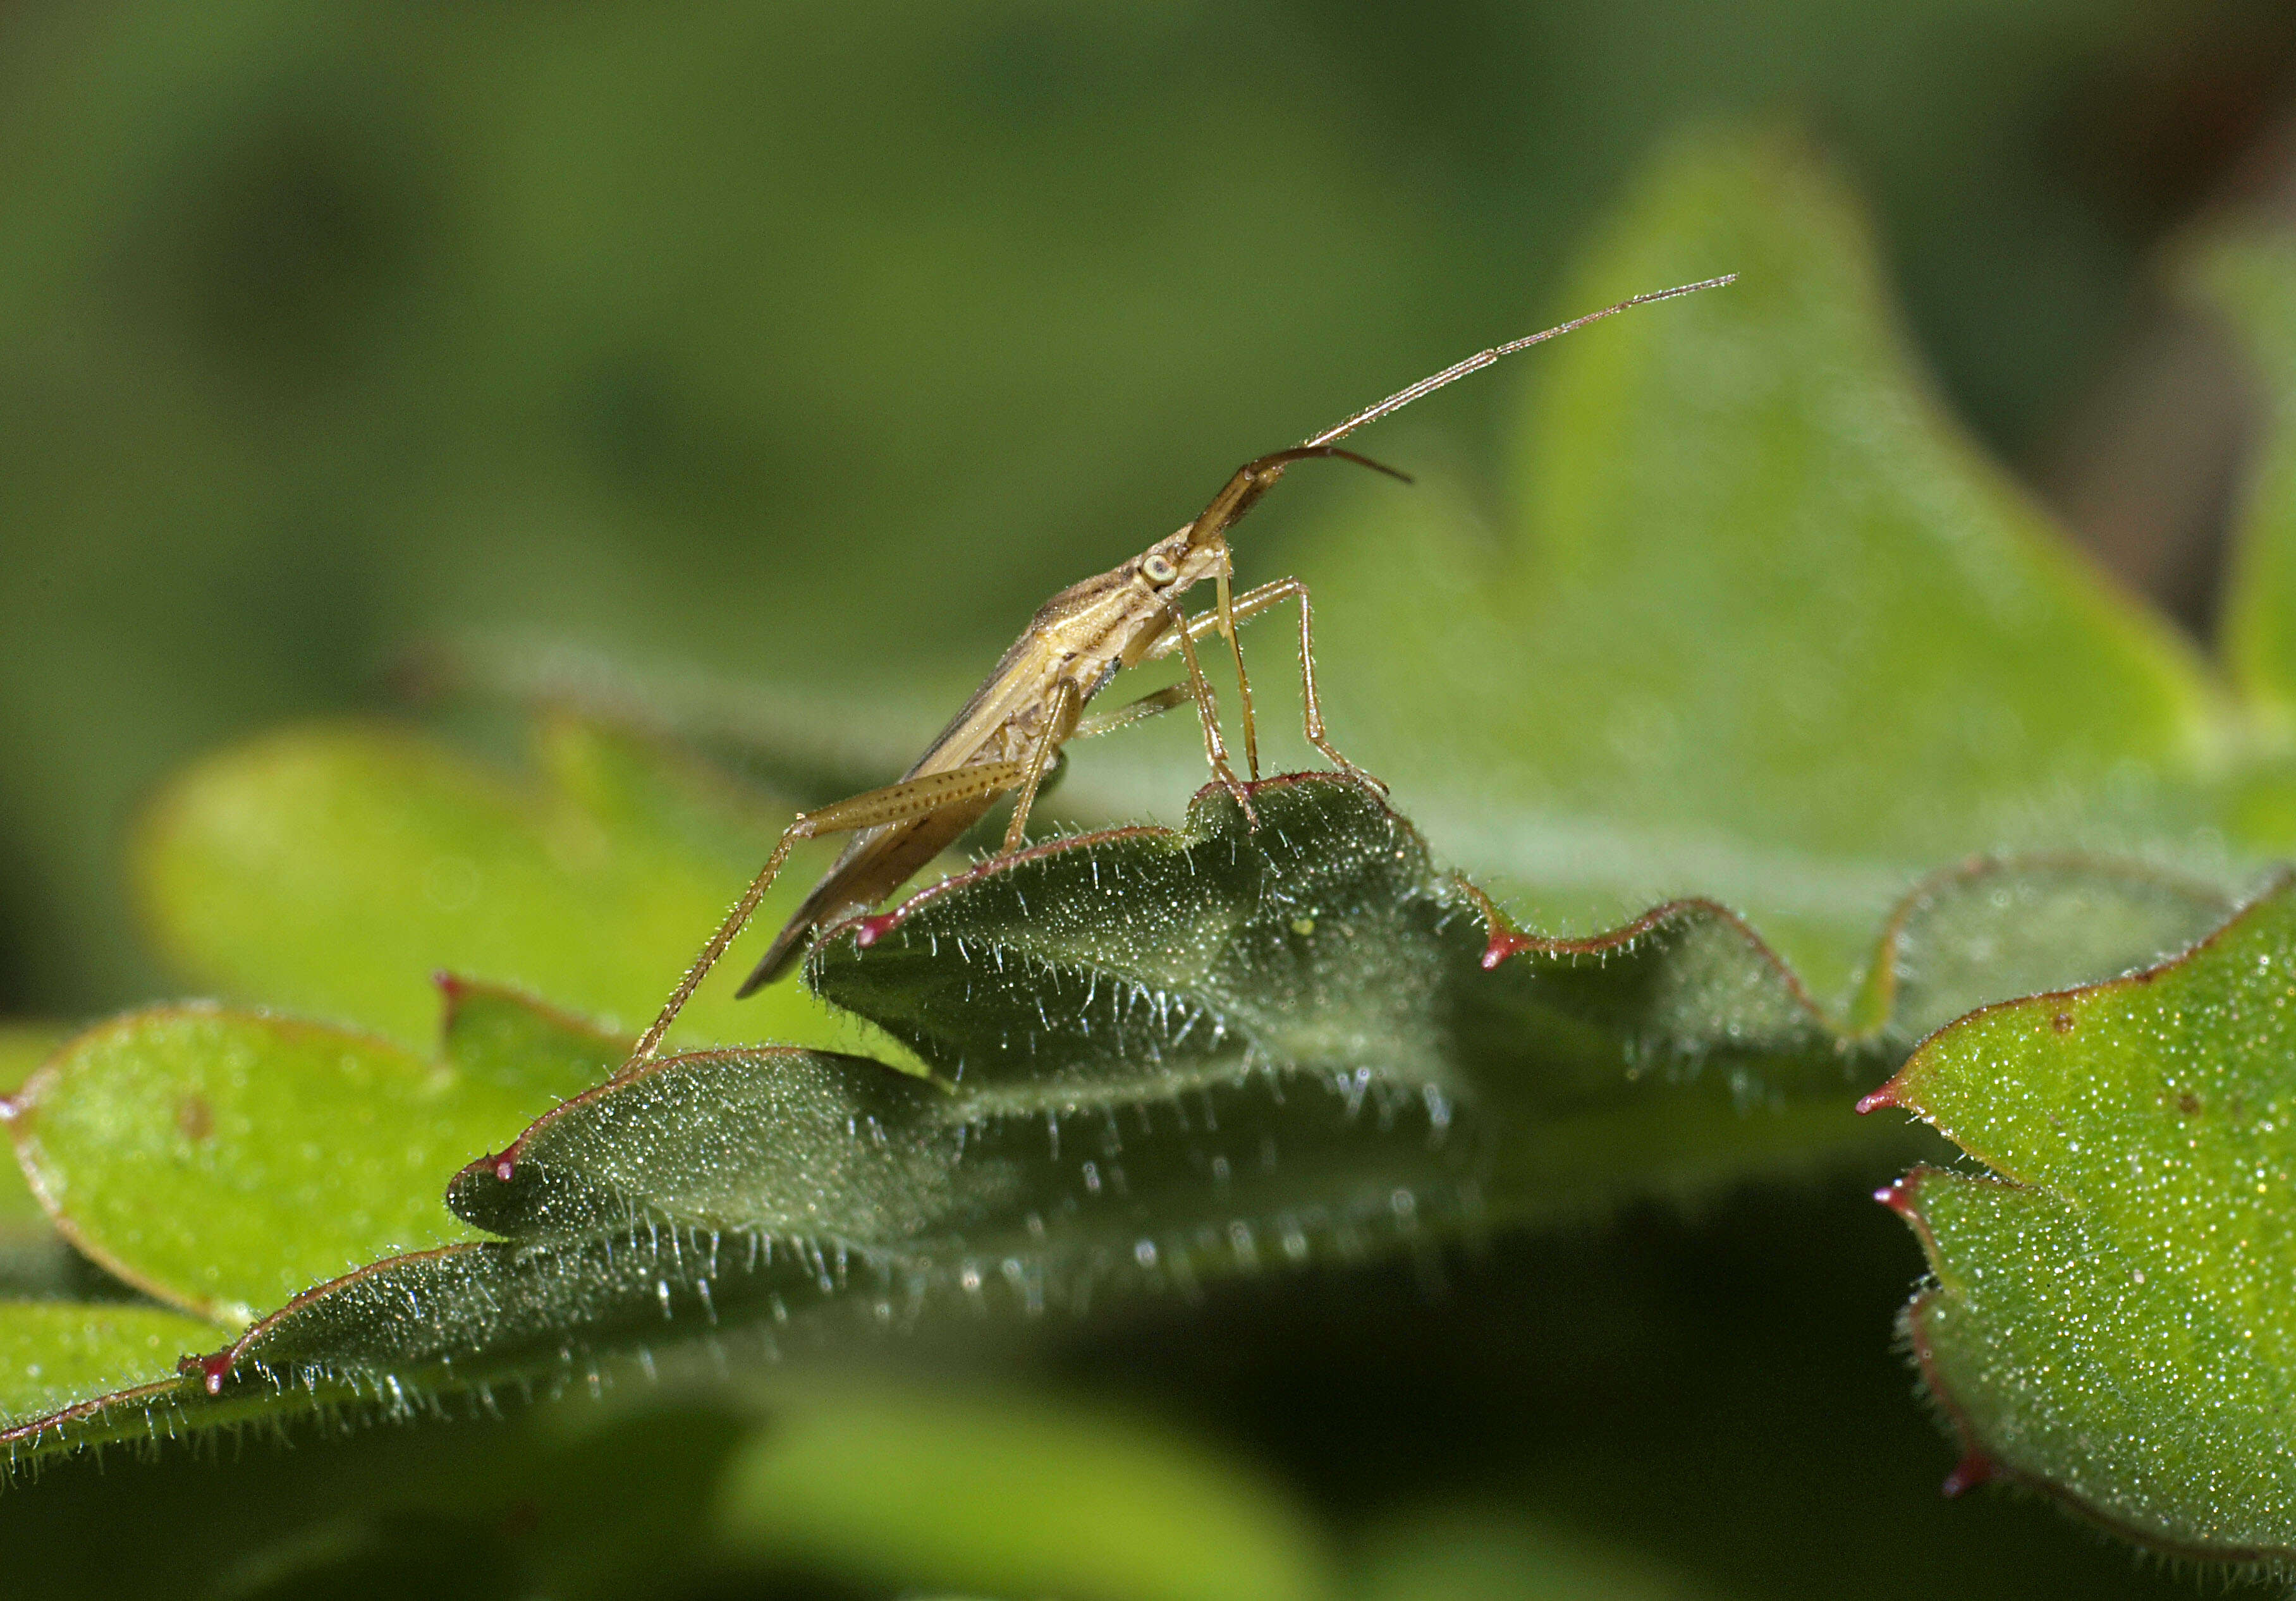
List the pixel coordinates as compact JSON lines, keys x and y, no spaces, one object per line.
{"x":2102,"y":1324}
{"x":1324,"y":944}
{"x":2109,"y":1318}
{"x":1322,"y":1047}
{"x":57,"y":1357}
{"x":1157,"y":1058}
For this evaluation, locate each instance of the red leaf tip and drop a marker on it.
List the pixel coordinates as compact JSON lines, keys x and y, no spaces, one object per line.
{"x":498,"y":1168}
{"x":1504,"y":942}
{"x":1974,"y":1468}
{"x":212,"y":1370}
{"x":870,"y":930}
{"x":1874,"y":1100}
{"x":1898,"y":1196}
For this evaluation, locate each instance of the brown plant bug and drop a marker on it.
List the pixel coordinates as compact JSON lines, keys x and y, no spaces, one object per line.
{"x":1033,"y":701}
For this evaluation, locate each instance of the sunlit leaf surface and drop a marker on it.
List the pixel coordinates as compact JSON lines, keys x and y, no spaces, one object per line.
{"x":2110,"y":1317}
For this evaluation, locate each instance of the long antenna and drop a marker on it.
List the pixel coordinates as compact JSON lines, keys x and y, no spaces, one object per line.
{"x":1484,"y":358}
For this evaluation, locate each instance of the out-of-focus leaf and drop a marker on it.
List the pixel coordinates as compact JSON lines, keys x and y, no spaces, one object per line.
{"x":2251,"y":279}
{"x":512,"y":1043}
{"x":2110,"y":1318}
{"x":24,"y":1046}
{"x":225,"y":1161}
{"x":815,"y":744}
{"x":23,"y":1225}
{"x":332,"y":869}
{"x":58,"y":1355}
{"x":370,"y":1554}
{"x":915,"y":1489}
{"x":1997,"y":928}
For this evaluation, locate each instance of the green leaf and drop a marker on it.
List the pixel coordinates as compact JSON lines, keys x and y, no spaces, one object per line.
{"x":1762,"y":626}
{"x":331,"y":869}
{"x":1758,"y":624}
{"x":24,"y":1228}
{"x":2245,"y":278}
{"x":225,"y":1161}
{"x":24,"y":1046}
{"x":1763,"y":629}
{"x":2102,"y":1325}
{"x":1109,"y":970}
{"x":511,"y":1043}
{"x":2110,"y":1317}
{"x":2020,"y":925}
{"x":772,"y":1140}
{"x":1319,"y":1047}
{"x":1158,"y":1059}
{"x":58,"y":1357}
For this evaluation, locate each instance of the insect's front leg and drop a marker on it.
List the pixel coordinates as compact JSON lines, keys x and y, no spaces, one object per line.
{"x":1208,"y":716}
{"x":1227,"y":626}
{"x":1250,"y":605}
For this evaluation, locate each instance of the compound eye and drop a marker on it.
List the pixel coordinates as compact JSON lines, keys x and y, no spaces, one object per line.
{"x":1158,"y":571}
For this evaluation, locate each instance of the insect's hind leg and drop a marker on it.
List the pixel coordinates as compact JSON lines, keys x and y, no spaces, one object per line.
{"x":911,"y":799}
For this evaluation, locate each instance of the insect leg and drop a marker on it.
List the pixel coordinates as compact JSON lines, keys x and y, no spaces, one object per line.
{"x":1154,"y":704}
{"x":1250,"y":605}
{"x":911,"y":799}
{"x":1062,"y":709}
{"x":1312,"y":708}
{"x":1208,"y":716}
{"x":1228,"y":621}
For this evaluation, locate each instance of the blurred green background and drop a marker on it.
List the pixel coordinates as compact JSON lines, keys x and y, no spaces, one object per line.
{"x":817,"y":344}
{"x":814,"y":346}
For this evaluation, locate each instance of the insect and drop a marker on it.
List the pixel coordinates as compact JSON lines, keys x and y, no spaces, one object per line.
{"x":1033,"y":701}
